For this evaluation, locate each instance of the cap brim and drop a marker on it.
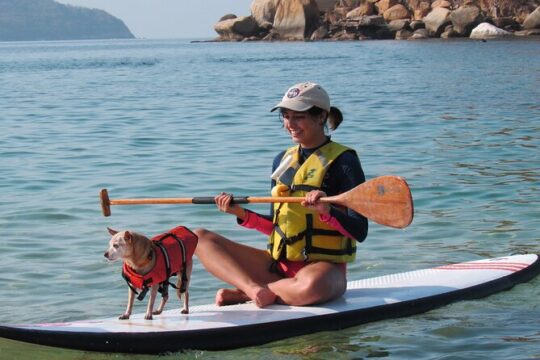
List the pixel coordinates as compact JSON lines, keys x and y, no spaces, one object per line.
{"x":292,"y":104}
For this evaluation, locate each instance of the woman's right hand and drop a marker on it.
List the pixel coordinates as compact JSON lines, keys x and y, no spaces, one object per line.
{"x":224,"y":204}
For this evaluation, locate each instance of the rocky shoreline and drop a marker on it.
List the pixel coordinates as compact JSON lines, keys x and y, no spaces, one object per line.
{"x":304,"y":20}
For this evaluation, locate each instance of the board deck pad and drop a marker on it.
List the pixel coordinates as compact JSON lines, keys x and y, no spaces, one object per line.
{"x":209,"y":327}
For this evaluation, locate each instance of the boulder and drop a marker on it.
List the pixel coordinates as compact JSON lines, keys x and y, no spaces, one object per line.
{"x":403,"y":34}
{"x":396,"y":12}
{"x":449,"y":32}
{"x":465,"y":19}
{"x":441,"y":4}
{"x":238,"y":28}
{"x":225,"y":31}
{"x":227,"y":17}
{"x":296,"y":19}
{"x":383,"y":5}
{"x":528,"y":32}
{"x":351,"y":3}
{"x":507,"y":23}
{"x":319,"y":34}
{"x":247,"y":26}
{"x":532,"y":21}
{"x":487,"y":30}
{"x":362,"y":21}
{"x":397,"y":25}
{"x":421,"y":10}
{"x":436,"y":21}
{"x":419,"y":34}
{"x":365,"y":8}
{"x":264,"y":11}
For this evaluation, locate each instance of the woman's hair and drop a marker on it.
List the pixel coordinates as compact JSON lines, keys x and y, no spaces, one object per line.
{"x":334,"y":118}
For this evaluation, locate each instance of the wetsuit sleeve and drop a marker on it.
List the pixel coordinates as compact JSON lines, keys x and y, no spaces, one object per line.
{"x":344,"y":174}
{"x":257,"y":222}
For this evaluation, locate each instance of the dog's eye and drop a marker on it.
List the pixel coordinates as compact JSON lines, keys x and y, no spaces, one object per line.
{"x":115,"y":246}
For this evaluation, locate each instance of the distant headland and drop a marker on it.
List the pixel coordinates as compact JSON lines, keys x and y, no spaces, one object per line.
{"x":381,"y":19}
{"x":26,"y":20}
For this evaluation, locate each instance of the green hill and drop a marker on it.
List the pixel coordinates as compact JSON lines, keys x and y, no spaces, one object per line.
{"x":47,"y":20}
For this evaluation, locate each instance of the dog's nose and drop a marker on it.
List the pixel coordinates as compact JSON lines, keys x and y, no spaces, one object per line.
{"x":106,"y":255}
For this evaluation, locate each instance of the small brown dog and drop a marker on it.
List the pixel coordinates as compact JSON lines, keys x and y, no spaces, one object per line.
{"x":148,"y":265}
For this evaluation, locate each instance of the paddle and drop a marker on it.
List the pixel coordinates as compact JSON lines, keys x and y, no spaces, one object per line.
{"x":386,"y":200}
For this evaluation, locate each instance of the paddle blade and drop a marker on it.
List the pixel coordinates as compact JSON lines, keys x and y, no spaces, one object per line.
{"x":386,"y":200}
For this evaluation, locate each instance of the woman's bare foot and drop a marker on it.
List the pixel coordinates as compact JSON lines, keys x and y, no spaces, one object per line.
{"x":261,"y":296}
{"x":230,"y":297}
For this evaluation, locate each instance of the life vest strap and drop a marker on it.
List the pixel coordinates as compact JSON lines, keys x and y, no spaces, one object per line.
{"x":336,"y":252}
{"x":293,"y":239}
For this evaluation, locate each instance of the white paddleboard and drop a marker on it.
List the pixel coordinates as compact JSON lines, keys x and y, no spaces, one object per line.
{"x":209,"y":327}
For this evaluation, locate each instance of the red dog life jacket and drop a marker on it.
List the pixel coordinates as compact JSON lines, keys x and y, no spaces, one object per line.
{"x":172,"y":250}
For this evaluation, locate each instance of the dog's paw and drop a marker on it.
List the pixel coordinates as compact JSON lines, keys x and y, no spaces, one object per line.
{"x":123,"y":317}
{"x":157,"y":312}
{"x":148,"y":317}
{"x":184,"y":311}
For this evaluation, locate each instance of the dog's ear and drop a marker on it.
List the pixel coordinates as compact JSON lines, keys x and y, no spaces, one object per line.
{"x":111,"y":231}
{"x":128,"y":237}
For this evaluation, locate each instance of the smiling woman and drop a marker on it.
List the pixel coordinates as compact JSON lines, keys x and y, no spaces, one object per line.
{"x":310,"y":242}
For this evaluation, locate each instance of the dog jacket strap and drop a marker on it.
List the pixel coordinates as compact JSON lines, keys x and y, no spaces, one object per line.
{"x":142,"y":294}
{"x":165,"y":257}
{"x":130,"y":285}
{"x":184,"y":261}
{"x":164,"y":288}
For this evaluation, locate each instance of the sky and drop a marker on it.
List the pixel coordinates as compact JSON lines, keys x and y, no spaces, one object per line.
{"x":168,"y":19}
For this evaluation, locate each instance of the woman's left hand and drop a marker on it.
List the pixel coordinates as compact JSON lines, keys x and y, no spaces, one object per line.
{"x":312,"y":201}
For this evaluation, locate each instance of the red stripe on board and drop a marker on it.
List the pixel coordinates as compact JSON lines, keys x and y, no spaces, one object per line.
{"x":485,"y":266}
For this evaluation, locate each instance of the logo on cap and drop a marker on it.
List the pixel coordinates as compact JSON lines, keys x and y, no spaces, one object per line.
{"x":293,"y":93}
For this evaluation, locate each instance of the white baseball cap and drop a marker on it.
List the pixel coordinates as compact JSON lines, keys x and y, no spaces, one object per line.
{"x":304,"y":96}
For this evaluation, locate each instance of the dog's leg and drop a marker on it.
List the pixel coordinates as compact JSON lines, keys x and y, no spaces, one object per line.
{"x":164,"y":298}
{"x":129,"y":308}
{"x":151,"y":301}
{"x":185,"y":309}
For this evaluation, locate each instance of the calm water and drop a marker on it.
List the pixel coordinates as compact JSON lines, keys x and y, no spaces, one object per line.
{"x":460,"y":120}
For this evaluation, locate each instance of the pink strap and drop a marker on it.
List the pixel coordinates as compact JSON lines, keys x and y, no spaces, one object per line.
{"x":333,"y":222}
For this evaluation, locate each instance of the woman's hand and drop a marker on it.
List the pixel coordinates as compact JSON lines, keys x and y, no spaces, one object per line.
{"x":224,"y":204}
{"x":312,"y":201}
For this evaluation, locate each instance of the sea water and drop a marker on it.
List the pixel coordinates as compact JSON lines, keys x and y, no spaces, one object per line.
{"x":460,"y":120}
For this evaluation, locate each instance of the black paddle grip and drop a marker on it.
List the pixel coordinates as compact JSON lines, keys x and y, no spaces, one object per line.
{"x":210,"y":200}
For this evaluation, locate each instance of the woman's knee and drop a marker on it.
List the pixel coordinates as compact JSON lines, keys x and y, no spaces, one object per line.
{"x":206,"y":238}
{"x":201,"y":233}
{"x":323,"y":286}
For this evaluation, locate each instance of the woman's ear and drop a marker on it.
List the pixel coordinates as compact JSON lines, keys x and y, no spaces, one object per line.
{"x":322,"y":118}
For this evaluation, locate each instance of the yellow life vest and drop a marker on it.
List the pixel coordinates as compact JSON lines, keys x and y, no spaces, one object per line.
{"x":298,"y":233}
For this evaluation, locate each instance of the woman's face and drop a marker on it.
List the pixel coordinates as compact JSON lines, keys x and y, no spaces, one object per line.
{"x":304,"y":128}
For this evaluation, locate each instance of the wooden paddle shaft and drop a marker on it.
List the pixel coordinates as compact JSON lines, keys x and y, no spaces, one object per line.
{"x":386,"y":200}
{"x":106,"y":202}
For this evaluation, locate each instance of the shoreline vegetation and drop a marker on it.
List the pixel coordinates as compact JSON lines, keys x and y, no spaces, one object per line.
{"x":318,"y":20}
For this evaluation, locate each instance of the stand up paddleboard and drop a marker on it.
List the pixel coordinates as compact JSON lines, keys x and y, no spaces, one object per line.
{"x":210,"y":327}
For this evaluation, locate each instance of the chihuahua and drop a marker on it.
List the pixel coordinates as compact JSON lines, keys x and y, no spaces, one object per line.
{"x":149,"y":263}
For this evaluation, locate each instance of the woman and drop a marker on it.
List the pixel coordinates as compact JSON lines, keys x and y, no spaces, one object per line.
{"x":309,"y":243}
